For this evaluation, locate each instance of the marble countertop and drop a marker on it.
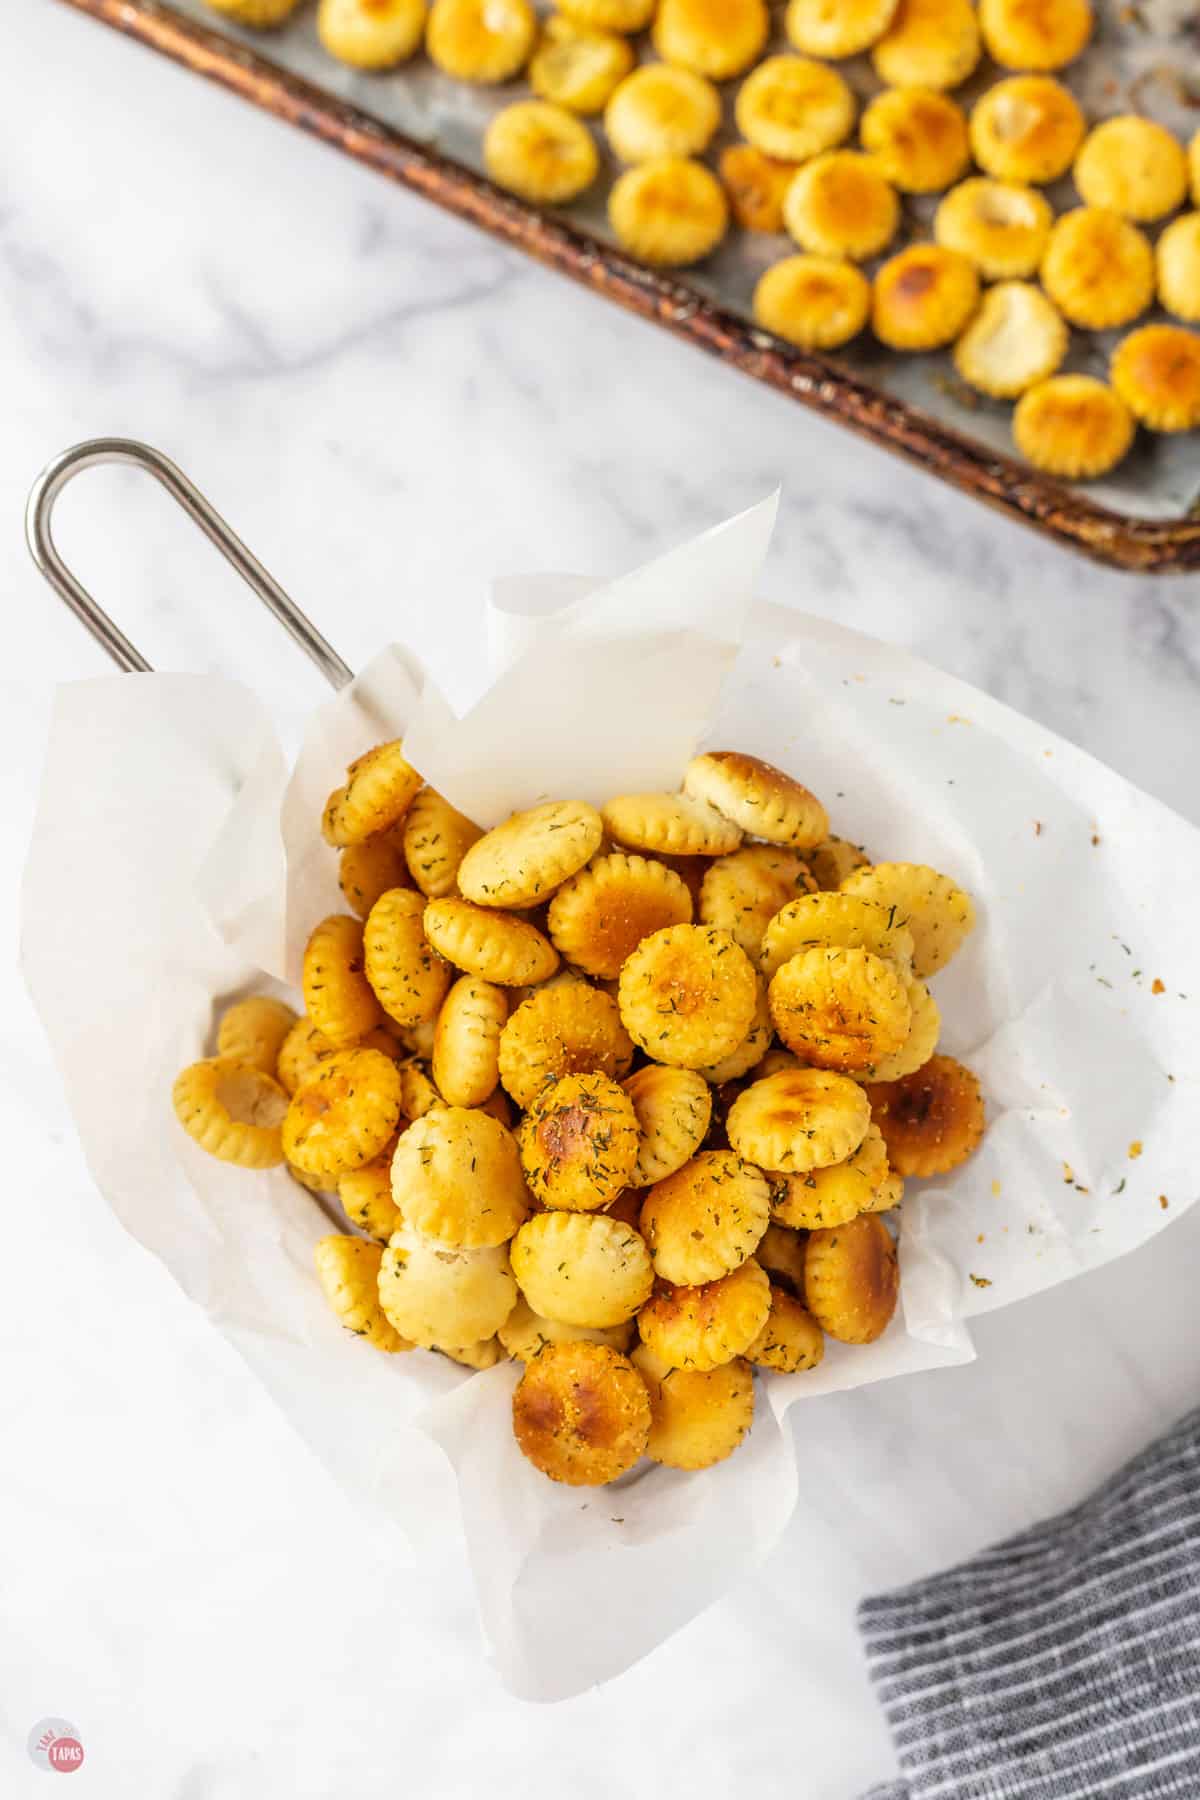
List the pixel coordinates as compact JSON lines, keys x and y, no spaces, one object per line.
{"x":393,"y":410}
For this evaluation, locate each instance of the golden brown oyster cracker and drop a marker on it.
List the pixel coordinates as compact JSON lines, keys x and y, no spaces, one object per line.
{"x":888,"y":1194}
{"x":406,"y":974}
{"x":688,"y":995}
{"x":232,"y":1110}
{"x":931,"y":1121}
{"x":579,"y":1143}
{"x":610,"y":15}
{"x":814,"y":302}
{"x":485,"y":41}
{"x":749,"y":1053}
{"x":301,"y":1053}
{"x":703,"y":1327}
{"x":371,"y":34}
{"x":837,"y":28}
{"x":369,"y":869}
{"x":577,"y":67}
{"x":840,"y":204}
{"x":1035,"y":34}
{"x":757,"y":796}
{"x":473,"y":1356}
{"x":626,"y":1208}
{"x":569,"y":1030}
{"x":698,"y":1417}
{"x":582,"y":1268}
{"x":522,"y":861}
{"x":436,"y":838}
{"x":254,"y":1031}
{"x":717,"y":38}
{"x":1177,"y":255}
{"x":540,"y":151}
{"x":841,"y":1008}
{"x":1133,"y":167}
{"x":673,"y":1108}
{"x":466,"y":1043}
{"x":835,"y":1194}
{"x":691,"y":870}
{"x":1194,"y":166}
{"x":525,"y":1334}
{"x":661,"y":111}
{"x":793,"y":108}
{"x":313,"y":1184}
{"x":1098,"y":268}
{"x":929,"y":43}
{"x":581,"y":1413}
{"x":1016,"y":339}
{"x":1026,"y":129}
{"x":418,"y":1095}
{"x":835,"y":921}
{"x":456,"y":1177}
{"x":381,"y":787}
{"x":774,"y":1063}
{"x":799,"y":1119}
{"x":496,"y":946}
{"x":831,"y":862}
{"x":781,"y":1253}
{"x":852,"y":1279}
{"x":259,"y":14}
{"x":600,"y":916}
{"x":1002,"y":227}
{"x":755,"y":185}
{"x":1073,"y":425}
{"x":348,"y":1271}
{"x":923,"y":296}
{"x":338,"y":998}
{"x":706,"y":1219}
{"x":742,"y":892}
{"x":416,"y":1039}
{"x":564,"y":977}
{"x":675,"y":823}
{"x":918,"y":137}
{"x":366,"y":1196}
{"x":498,"y":1107}
{"x":921,"y":1041}
{"x":791,"y":1339}
{"x":438,"y":1297}
{"x":1156,"y":372}
{"x":938,"y":913}
{"x":344,"y":1114}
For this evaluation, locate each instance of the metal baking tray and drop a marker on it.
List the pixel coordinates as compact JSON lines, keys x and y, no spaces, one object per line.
{"x":423,"y":130}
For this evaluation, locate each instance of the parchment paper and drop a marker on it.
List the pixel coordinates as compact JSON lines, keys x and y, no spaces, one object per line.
{"x":175,"y":864}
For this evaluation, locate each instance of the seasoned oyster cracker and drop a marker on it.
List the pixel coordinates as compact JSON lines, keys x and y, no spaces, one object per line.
{"x":581,"y":1413}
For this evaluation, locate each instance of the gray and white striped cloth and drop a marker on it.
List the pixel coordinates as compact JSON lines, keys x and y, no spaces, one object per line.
{"x":1064,"y":1664}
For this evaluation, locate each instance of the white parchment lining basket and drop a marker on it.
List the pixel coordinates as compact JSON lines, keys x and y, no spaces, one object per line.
{"x":1077,"y":1001}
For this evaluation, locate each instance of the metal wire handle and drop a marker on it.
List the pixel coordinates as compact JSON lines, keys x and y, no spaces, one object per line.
{"x":39,"y":536}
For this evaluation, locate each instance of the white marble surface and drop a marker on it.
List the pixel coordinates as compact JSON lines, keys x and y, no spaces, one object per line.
{"x":392,"y":410}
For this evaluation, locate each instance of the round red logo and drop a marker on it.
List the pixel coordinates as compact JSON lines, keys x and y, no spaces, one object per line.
{"x":54,"y":1744}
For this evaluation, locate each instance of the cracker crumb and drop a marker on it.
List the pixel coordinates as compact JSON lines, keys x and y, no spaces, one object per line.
{"x":1135,"y":1149}
{"x":1157,"y":987}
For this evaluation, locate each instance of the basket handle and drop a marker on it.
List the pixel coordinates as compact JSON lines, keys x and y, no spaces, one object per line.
{"x":102,"y":451}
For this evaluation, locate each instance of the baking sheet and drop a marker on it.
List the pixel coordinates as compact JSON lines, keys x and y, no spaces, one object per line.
{"x":1144,"y":58}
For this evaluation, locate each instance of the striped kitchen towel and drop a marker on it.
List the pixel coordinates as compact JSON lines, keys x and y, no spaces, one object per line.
{"x":1062,"y":1665}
